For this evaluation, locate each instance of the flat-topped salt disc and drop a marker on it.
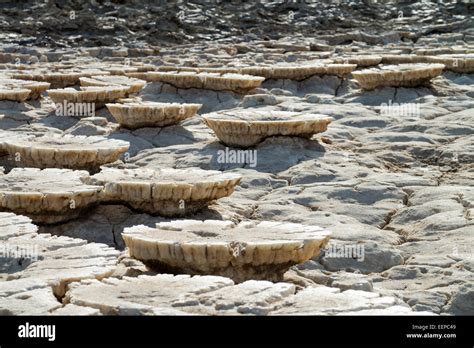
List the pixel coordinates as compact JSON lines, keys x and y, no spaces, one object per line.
{"x":214,"y":81}
{"x":249,"y":127}
{"x":168,"y":191}
{"x":48,"y":195}
{"x":134,"y":85}
{"x":65,"y":151}
{"x":248,"y":250}
{"x":135,"y":115}
{"x":403,"y":75}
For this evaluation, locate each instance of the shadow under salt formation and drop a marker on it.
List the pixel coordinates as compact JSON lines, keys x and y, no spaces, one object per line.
{"x":106,"y":222}
{"x":273,"y":155}
{"x":327,"y":84}
{"x":386,"y":95}
{"x":15,"y":114}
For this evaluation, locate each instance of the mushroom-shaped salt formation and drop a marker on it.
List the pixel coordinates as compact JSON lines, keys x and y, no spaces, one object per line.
{"x":248,"y":250}
{"x":96,"y":96}
{"x":134,"y":85}
{"x":65,"y":151}
{"x":298,"y":72}
{"x":35,"y":88}
{"x":214,"y":81}
{"x":48,"y":195}
{"x":404,"y":75}
{"x":150,"y":114}
{"x":168,"y":192}
{"x":244,"y":128}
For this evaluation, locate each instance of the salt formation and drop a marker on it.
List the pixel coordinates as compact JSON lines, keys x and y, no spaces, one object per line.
{"x":249,"y":127}
{"x":213,"y":81}
{"x":404,"y":59}
{"x":169,"y":192}
{"x":135,"y":115}
{"x":6,"y":135}
{"x":362,"y":61}
{"x":48,"y":195}
{"x":134,"y":85}
{"x":65,"y":151}
{"x":298,"y":72}
{"x":249,"y":250}
{"x":97,"y":95}
{"x":17,"y":89}
{"x":460,"y":63}
{"x":404,"y":75}
{"x":279,"y":71}
{"x":58,"y":79}
{"x":218,"y":70}
{"x":119,"y":70}
{"x":14,"y":94}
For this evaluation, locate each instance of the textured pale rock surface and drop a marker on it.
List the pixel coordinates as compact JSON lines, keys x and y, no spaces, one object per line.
{"x":404,"y":75}
{"x":143,"y":294}
{"x":48,"y":195}
{"x":64,"y":260}
{"x":248,"y":250}
{"x":37,"y":268}
{"x":330,"y":301}
{"x":210,"y":295}
{"x":15,"y":225}
{"x":170,"y":192}
{"x":247,"y":128}
{"x":151,"y":114}
{"x":65,"y":151}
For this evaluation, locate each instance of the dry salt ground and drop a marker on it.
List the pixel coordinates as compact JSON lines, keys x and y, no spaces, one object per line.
{"x":331,"y":138}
